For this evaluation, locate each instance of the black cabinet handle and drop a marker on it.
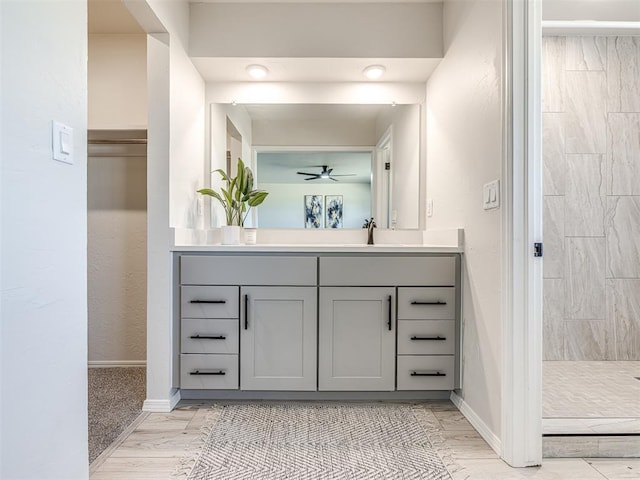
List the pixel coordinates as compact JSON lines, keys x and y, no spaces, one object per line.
{"x":428,"y":374}
{"x":428,"y":303}
{"x":208,"y":301}
{"x":208,"y":337}
{"x":246,"y":312}
{"x":390,"y":300}
{"x":428,"y":338}
{"x":198,"y":372}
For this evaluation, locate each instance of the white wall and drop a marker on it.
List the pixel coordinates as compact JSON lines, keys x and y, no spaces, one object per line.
{"x":116,"y":255}
{"x":314,"y":92}
{"x":284,"y":207}
{"x":339,"y":30}
{"x":313,"y":132}
{"x":175,"y":168}
{"x":217,"y":132}
{"x":117,"y":234}
{"x":405,"y":168}
{"x":43,"y":238}
{"x":117,"y":81}
{"x":464,"y":145}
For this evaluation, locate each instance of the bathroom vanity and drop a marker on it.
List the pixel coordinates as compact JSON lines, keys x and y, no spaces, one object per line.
{"x":275,"y":322}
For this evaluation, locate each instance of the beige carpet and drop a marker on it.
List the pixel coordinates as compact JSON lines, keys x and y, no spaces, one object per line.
{"x":115,"y":400}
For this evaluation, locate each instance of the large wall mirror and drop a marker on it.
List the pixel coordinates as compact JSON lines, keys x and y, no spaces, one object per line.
{"x":327,"y":165}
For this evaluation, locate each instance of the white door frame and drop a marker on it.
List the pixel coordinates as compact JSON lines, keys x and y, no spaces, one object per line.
{"x":382,"y":186}
{"x":521,"y":308}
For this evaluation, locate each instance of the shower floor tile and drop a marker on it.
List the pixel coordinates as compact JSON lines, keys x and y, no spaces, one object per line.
{"x":591,"y":397}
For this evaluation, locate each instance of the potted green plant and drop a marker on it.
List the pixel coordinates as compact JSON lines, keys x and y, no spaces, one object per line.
{"x":237,"y":198}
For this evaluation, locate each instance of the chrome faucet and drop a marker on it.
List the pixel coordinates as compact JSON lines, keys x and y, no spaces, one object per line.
{"x":369,"y":225}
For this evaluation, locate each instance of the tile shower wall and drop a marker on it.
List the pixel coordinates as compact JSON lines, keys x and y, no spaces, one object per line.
{"x":591,"y":149}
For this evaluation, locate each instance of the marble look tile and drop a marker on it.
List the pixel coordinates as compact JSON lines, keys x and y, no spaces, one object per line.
{"x":585,"y":196}
{"x":586,"y":114}
{"x":553,"y":74}
{"x":617,"y":469}
{"x":618,"y":447}
{"x":584,"y":278}
{"x":453,"y":421}
{"x":623,"y":311}
{"x":622,"y":226}
{"x":586,"y":389}
{"x":156,"y":444}
{"x":569,"y":447}
{"x":553,"y":153}
{"x":582,"y":426}
{"x":623,"y":153}
{"x":586,"y":53}
{"x":553,"y":318}
{"x":467,"y":444}
{"x":554,"y":232}
{"x":588,"y":340}
{"x":623,"y":74}
{"x":140,"y":465}
{"x":551,"y":469}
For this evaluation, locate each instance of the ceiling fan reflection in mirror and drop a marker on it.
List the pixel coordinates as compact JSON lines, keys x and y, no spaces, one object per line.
{"x":324,"y":174}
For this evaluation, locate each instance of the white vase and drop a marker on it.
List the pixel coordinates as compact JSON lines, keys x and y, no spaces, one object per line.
{"x":250,"y":236}
{"x":230,"y":234}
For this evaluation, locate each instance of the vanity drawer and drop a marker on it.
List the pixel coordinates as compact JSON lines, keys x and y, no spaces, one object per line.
{"x":209,"y":371}
{"x":426,"y":337}
{"x":387,"y":271}
{"x":247,"y":270}
{"x":426,"y":372}
{"x":209,"y":336}
{"x":427,"y":303}
{"x":209,"y":302}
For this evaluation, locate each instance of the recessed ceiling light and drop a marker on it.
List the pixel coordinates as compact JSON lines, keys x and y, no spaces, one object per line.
{"x":257,"y":71}
{"x":374,"y":71}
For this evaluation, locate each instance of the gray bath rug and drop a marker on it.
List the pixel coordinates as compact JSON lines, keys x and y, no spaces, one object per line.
{"x":313,"y":441}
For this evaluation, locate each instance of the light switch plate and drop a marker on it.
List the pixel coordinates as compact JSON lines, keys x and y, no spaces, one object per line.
{"x":491,"y":195}
{"x":62,"y":142}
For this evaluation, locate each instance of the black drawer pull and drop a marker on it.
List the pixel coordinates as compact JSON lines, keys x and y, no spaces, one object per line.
{"x":246,"y":312}
{"x":429,"y":374}
{"x":208,"y":337}
{"x":389,"y":313}
{"x":428,"y":338}
{"x":208,"y":301}
{"x":198,"y":372}
{"x":428,"y":303}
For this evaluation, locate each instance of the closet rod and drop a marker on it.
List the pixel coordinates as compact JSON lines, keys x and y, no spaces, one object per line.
{"x":117,"y":141}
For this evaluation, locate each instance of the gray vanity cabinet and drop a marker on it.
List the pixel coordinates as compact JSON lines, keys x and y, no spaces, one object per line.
{"x":278,"y":337}
{"x":357,"y":339}
{"x":317,"y":322}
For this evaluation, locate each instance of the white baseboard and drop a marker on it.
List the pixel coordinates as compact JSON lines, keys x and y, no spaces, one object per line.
{"x":116,"y":363}
{"x":161,"y":406}
{"x":482,"y":428}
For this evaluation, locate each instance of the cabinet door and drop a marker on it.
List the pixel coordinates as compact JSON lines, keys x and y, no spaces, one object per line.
{"x":278,"y":337}
{"x":357,"y":339}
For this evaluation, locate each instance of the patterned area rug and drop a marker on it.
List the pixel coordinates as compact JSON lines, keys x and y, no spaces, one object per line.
{"x":314,"y":441}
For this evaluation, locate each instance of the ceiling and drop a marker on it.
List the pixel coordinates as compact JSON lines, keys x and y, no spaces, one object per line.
{"x":113,"y":17}
{"x":281,"y":167}
{"x":315,"y":69}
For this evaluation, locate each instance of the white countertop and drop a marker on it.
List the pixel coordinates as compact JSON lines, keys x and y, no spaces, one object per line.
{"x":313,"y":241}
{"x":320,"y":248}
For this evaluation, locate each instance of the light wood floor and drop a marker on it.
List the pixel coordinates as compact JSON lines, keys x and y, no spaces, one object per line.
{"x":153,"y":446}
